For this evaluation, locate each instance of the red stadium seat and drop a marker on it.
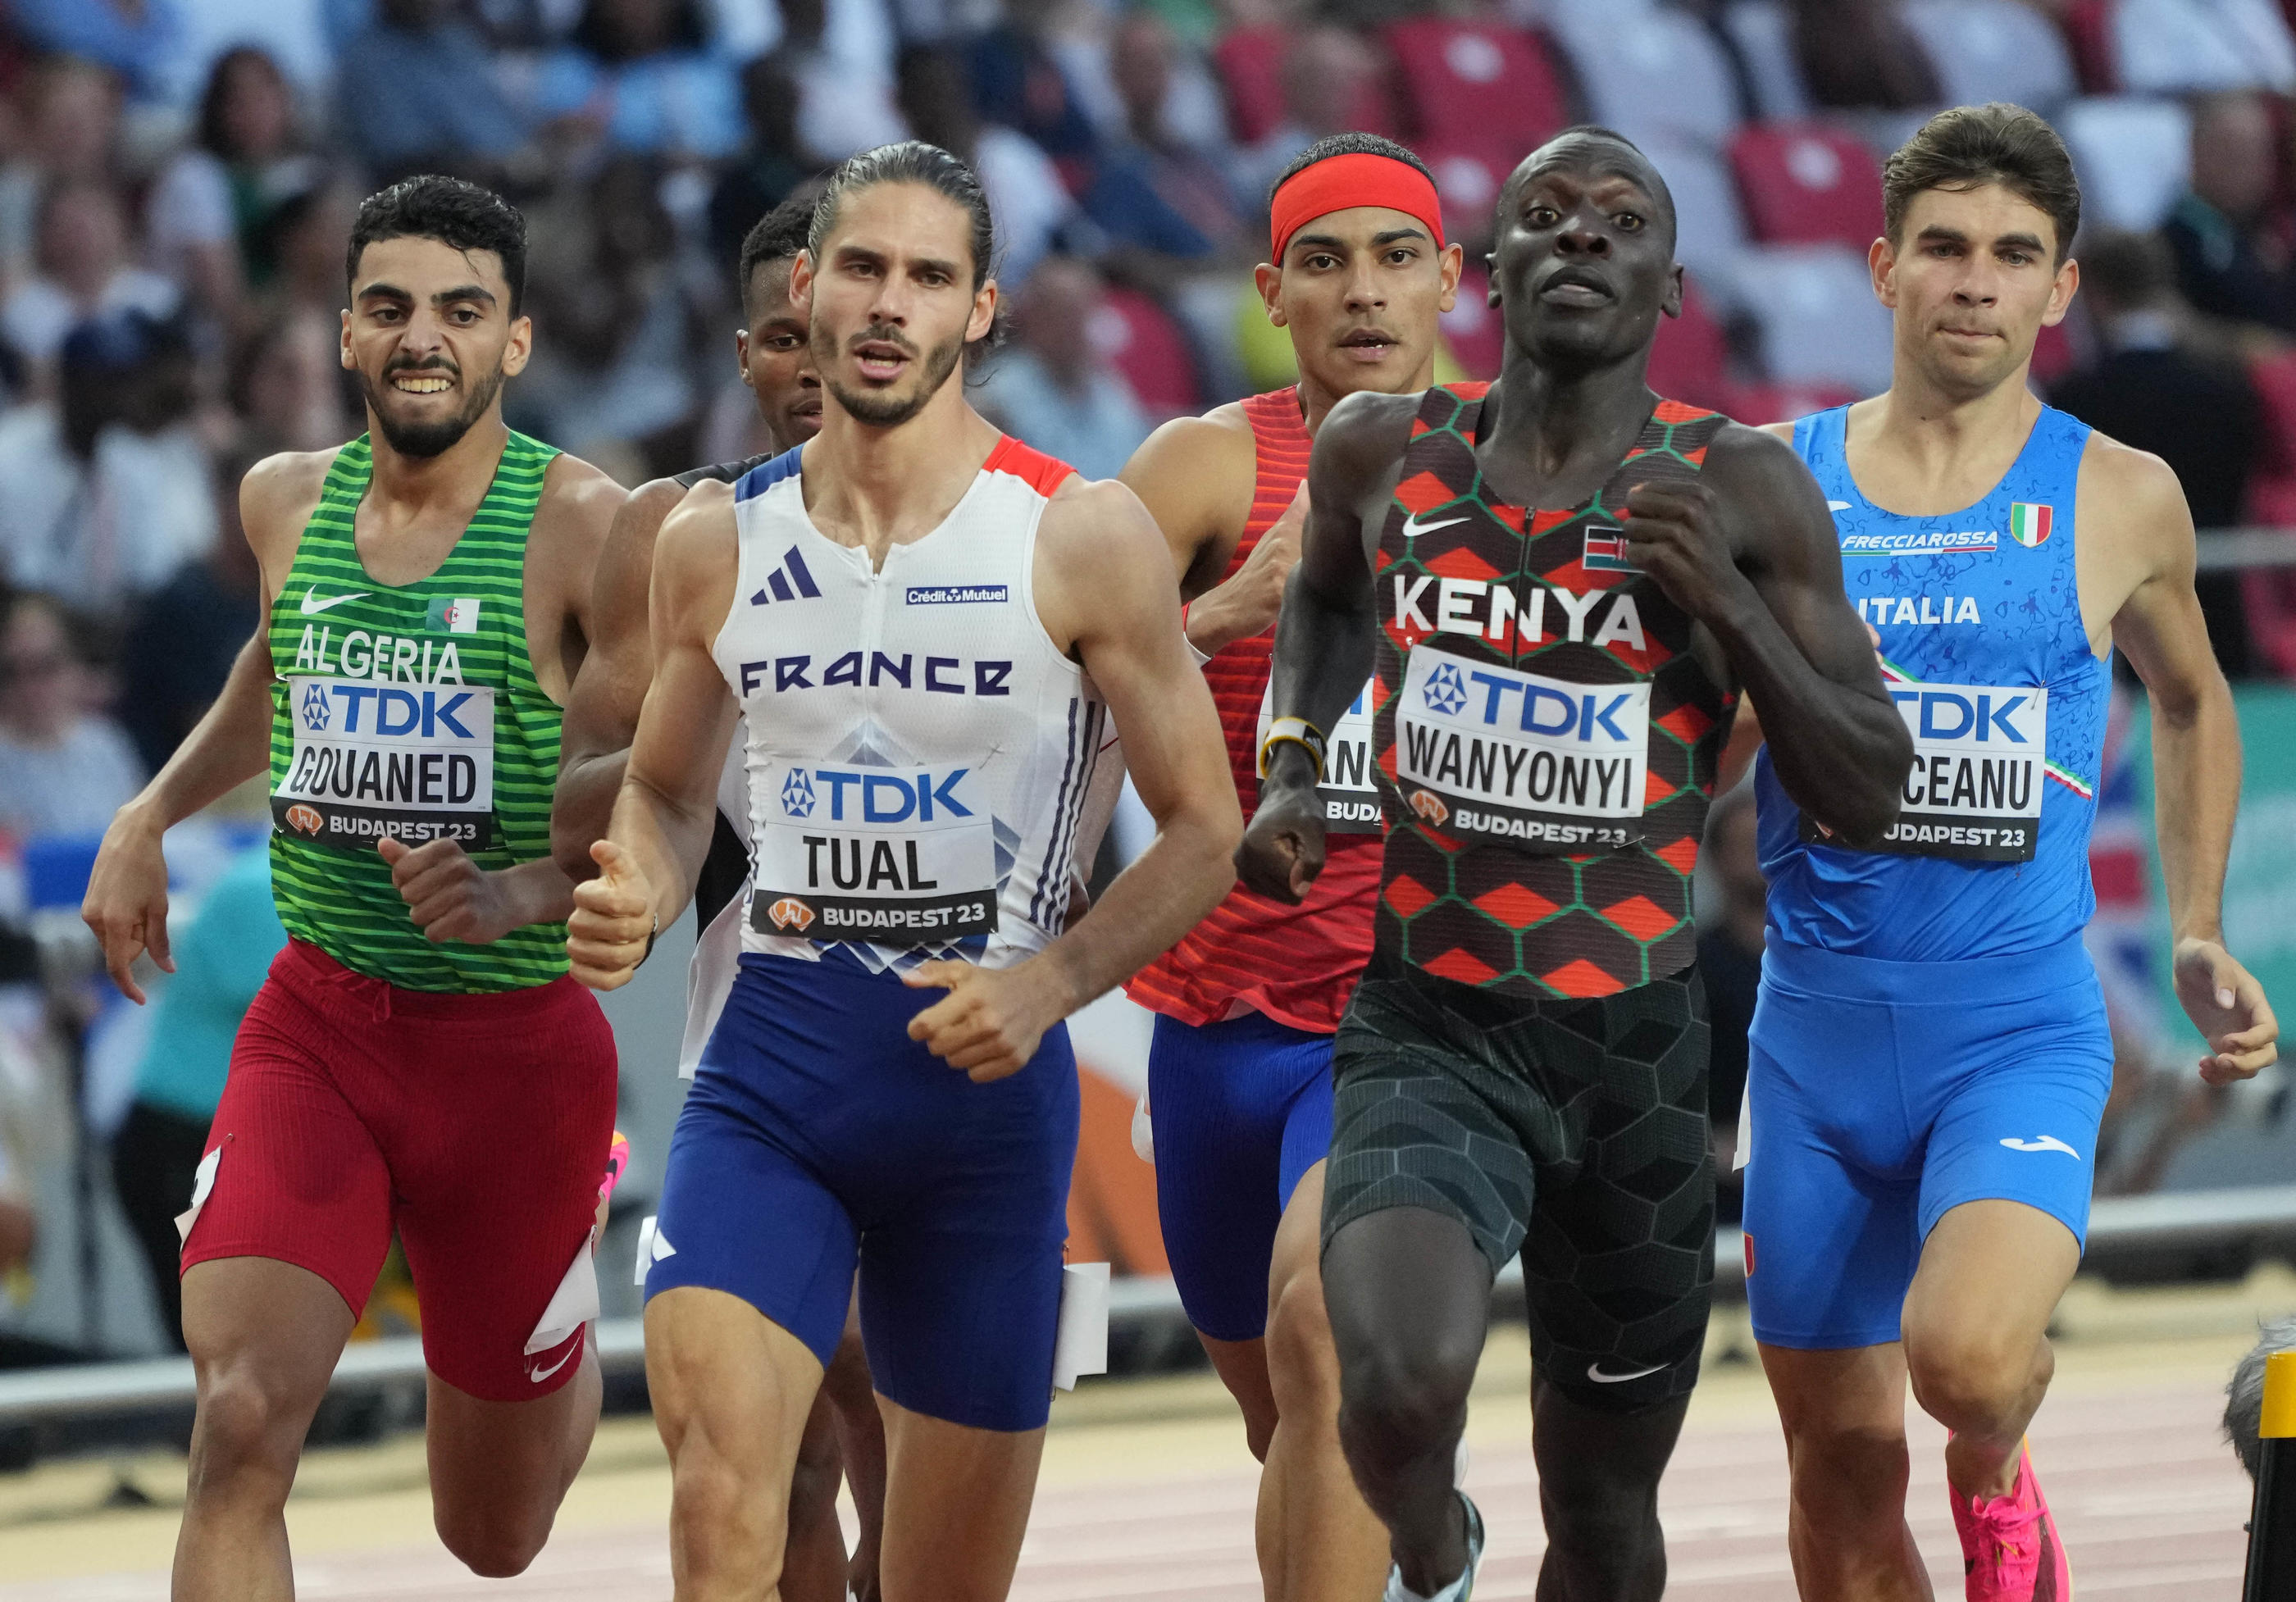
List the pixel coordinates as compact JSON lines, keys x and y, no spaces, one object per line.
{"x":1251,"y":63}
{"x":1147,"y":347}
{"x":1473,"y":81}
{"x":1468,"y":176}
{"x":1691,"y":360}
{"x":2088,"y":29}
{"x":1806,"y":184}
{"x":2053,"y":356}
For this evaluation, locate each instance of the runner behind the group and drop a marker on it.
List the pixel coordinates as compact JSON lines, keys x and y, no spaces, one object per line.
{"x":1239,"y":1067}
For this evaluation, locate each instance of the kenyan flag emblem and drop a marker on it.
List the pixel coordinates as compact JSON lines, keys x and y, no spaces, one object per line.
{"x":2029,"y":522}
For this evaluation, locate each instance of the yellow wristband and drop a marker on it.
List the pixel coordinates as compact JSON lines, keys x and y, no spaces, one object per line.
{"x":1297,"y":731}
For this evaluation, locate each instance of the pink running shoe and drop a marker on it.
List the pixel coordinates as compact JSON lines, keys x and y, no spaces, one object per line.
{"x":2009,"y":1546}
{"x":617,"y":1163}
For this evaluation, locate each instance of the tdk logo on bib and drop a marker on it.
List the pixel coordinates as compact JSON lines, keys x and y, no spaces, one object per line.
{"x":372,"y":760}
{"x":1981,"y":755}
{"x":1482,"y":749}
{"x":859,"y":795}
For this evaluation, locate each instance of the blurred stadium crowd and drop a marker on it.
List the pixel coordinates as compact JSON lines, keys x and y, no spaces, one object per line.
{"x":177,"y":178}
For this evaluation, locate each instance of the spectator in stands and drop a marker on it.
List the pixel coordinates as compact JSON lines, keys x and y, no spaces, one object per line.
{"x":426,"y":91}
{"x":288,"y":387}
{"x":770,"y":164}
{"x":1053,"y":390}
{"x":1324,"y":75}
{"x":104,"y":490}
{"x":839,"y":55}
{"x":1730,"y":961}
{"x":2155,"y":389}
{"x":603,"y":280}
{"x":69,"y":117}
{"x":185,"y":635}
{"x":306,"y":237}
{"x":85,"y":271}
{"x":138,"y":39}
{"x":638,"y":74}
{"x":1026,"y":197}
{"x":2243,"y":1416}
{"x":1018,"y":82}
{"x":221,"y":960}
{"x":1149,"y":188}
{"x":1860,"y":53}
{"x":2232,"y":258}
{"x":64,"y":768}
{"x":206,"y":220}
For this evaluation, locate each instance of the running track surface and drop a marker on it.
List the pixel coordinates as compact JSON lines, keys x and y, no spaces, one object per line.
{"x":1158,"y":1509}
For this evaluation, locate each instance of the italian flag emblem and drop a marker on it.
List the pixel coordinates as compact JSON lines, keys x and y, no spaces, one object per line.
{"x":2029,"y":522}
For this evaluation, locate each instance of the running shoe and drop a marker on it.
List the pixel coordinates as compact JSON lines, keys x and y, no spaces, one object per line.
{"x":1459,"y":1590}
{"x":2009,"y":1546}
{"x":617,"y":1163}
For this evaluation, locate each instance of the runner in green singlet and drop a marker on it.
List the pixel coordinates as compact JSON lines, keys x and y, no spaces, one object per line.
{"x":418,"y":1061}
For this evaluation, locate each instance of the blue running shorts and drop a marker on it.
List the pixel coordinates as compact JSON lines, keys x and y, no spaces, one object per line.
{"x":1242,"y":1108}
{"x":819,"y":1134}
{"x":1881,"y":1095}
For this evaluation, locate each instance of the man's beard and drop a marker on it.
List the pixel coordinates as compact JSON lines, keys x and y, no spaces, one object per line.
{"x":424,"y":440}
{"x":878,"y":408}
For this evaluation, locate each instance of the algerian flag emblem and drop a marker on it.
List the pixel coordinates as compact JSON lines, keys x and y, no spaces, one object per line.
{"x":2030,"y":522}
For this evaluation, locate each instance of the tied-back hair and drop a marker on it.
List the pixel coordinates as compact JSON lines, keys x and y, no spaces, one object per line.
{"x":911,"y":161}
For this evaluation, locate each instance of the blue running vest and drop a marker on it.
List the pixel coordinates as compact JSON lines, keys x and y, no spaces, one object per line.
{"x":1983,"y":651}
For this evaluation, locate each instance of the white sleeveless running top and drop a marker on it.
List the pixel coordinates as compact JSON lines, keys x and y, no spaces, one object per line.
{"x":918,"y":751}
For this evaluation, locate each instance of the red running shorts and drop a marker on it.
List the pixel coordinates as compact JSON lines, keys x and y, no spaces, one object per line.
{"x":476,"y":1126}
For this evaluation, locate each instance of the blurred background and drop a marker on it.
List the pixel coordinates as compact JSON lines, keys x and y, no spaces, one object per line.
{"x":176,"y":181}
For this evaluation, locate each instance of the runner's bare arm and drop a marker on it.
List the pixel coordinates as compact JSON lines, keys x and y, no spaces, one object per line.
{"x":662,"y":815}
{"x":602,"y":709}
{"x":126,"y":900}
{"x":1102,"y":592}
{"x":1330,"y":626}
{"x":2133,"y":501}
{"x":447,"y":894}
{"x":1198,"y":476}
{"x":1749,"y":550}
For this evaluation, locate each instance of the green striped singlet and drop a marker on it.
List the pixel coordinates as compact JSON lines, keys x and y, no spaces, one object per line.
{"x":410,"y":710}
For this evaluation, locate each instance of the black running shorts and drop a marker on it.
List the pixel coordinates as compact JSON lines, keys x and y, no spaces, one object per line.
{"x":1572,"y":1131}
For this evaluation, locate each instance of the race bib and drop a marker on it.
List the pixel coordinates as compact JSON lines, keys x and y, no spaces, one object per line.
{"x":1349,"y":795}
{"x":1981,"y":752}
{"x":1494,"y":753}
{"x":413,"y":762}
{"x":893,"y":856}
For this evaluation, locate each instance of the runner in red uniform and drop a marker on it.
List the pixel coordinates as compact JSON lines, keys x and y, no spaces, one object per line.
{"x":1240,"y":1076}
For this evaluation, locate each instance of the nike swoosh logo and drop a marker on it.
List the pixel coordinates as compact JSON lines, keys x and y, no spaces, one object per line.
{"x":2045,"y":1143}
{"x":571,"y":1353}
{"x":1413,"y":527}
{"x":313,"y":605}
{"x":1595,"y":1372}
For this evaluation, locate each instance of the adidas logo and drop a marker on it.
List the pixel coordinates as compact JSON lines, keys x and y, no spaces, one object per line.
{"x":788,"y":582}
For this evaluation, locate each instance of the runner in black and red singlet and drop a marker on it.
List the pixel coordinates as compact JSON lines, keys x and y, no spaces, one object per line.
{"x":1240,"y":1071}
{"x":1559,"y":585}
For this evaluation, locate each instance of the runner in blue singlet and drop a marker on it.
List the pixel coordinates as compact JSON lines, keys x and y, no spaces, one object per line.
{"x":1930,"y":1055}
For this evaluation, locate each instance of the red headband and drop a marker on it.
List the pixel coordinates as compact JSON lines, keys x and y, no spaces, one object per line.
{"x":1357,"y":178}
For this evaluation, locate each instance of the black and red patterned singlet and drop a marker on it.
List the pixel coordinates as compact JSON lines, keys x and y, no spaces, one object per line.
{"x":1548,"y":741}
